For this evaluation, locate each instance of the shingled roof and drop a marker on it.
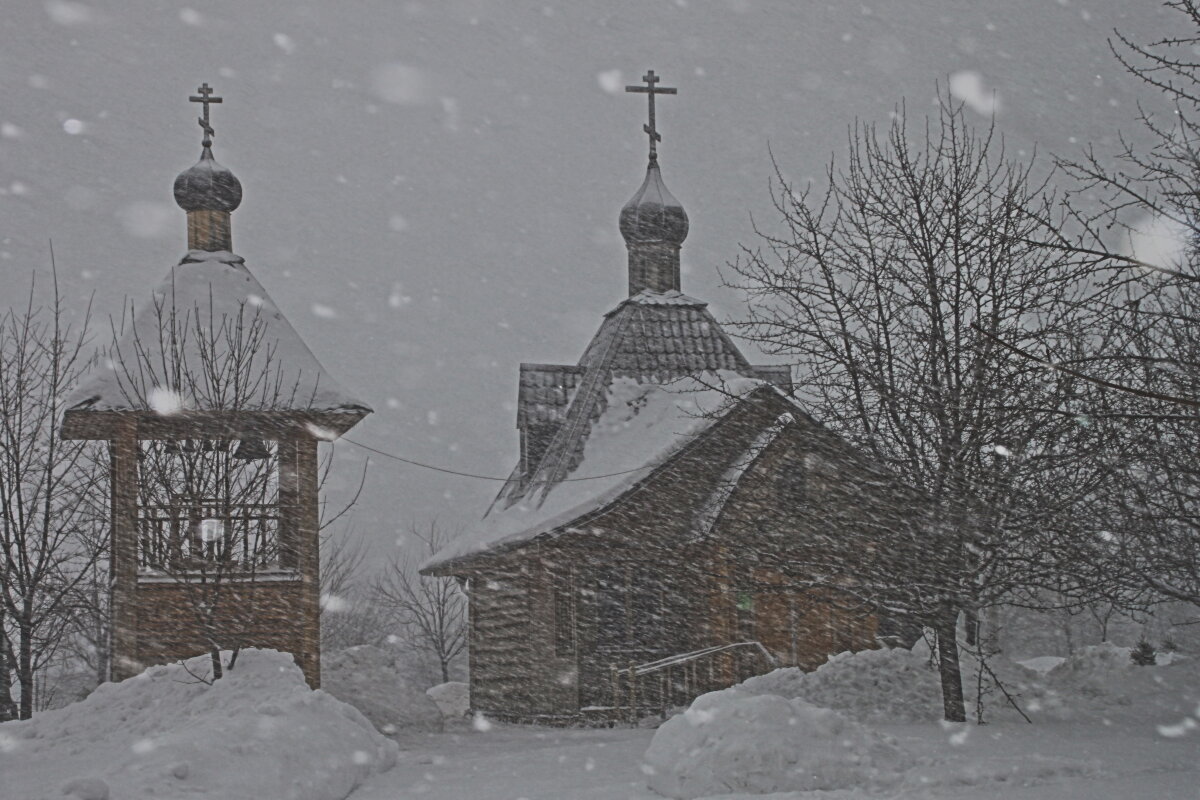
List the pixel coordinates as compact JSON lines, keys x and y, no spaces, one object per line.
{"x":667,"y":334}
{"x":544,"y":392}
{"x":653,"y":338}
{"x":643,"y":427}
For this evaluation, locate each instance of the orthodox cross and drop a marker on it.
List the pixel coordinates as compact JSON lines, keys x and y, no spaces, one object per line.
{"x":206,"y":98}
{"x":650,"y":89}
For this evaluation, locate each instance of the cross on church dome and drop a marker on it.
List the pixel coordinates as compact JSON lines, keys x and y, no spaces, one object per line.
{"x":206,"y":98}
{"x":653,"y":223}
{"x":650,"y":90}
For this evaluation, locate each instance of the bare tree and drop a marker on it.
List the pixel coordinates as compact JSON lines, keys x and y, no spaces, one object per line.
{"x":348,"y":615}
{"x":431,"y":612}
{"x":47,"y":488}
{"x":1135,"y":217}
{"x":877,"y":288}
{"x":89,"y":633}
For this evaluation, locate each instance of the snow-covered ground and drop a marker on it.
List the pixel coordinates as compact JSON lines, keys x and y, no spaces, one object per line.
{"x":1103,"y":730}
{"x":1053,"y":761}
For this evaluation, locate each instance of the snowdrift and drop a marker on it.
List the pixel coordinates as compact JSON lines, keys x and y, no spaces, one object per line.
{"x":453,"y":699}
{"x":259,"y":732}
{"x":869,"y":686}
{"x":369,"y":679}
{"x":770,"y":733}
{"x":1101,"y":682}
{"x":733,"y":741}
{"x":897,"y":685}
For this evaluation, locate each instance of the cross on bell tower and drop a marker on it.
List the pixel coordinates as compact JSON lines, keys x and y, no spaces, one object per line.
{"x":208,"y":192}
{"x":206,"y":99}
{"x":650,"y":89}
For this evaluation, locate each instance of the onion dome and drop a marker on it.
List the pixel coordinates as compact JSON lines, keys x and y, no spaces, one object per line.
{"x":207,"y":186}
{"x":653,"y":214}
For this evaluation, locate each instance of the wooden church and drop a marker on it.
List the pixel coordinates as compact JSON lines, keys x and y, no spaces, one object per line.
{"x":212,"y":407}
{"x":676,"y":522}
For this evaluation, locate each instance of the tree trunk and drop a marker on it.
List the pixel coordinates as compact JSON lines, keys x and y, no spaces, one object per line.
{"x":445,"y":670}
{"x":25,"y":667}
{"x":948,"y":667}
{"x":215,"y":654}
{"x":8,"y":709}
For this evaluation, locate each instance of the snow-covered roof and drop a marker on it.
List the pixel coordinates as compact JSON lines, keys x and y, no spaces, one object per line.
{"x":210,"y":339}
{"x":642,"y":426}
{"x":654,"y":337}
{"x":657,"y":373}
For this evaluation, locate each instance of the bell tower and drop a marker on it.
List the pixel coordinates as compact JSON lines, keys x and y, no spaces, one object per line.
{"x":213,"y":409}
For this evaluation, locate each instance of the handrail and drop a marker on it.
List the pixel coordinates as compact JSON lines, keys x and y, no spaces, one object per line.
{"x":683,"y":658}
{"x":693,"y":682}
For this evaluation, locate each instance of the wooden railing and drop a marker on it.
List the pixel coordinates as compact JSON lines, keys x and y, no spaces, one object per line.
{"x":242,"y":536}
{"x":674,"y":680}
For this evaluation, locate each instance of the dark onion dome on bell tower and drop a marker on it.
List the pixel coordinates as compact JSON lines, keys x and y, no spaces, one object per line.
{"x":208,"y":186}
{"x":207,"y":191}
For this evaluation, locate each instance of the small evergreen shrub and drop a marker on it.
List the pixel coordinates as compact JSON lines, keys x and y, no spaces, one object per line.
{"x":1143,"y":654}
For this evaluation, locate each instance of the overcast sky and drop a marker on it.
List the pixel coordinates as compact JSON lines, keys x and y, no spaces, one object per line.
{"x":432,"y":189}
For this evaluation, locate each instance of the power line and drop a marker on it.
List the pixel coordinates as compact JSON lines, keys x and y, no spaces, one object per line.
{"x":449,"y":471}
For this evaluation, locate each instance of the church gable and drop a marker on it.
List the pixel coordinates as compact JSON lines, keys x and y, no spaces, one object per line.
{"x":641,"y":428}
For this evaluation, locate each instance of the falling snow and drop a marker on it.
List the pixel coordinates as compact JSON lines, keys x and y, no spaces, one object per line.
{"x":431,"y":199}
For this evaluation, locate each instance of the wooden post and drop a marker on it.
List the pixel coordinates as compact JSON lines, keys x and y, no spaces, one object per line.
{"x":308,"y":559}
{"x":123,"y":473}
